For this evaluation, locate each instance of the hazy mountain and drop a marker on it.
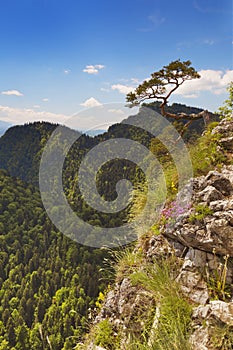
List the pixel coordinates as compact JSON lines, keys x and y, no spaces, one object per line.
{"x":94,"y":132}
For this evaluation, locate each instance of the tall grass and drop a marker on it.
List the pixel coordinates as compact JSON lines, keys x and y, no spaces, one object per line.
{"x":173,"y":327}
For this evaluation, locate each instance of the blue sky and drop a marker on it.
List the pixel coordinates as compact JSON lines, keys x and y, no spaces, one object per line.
{"x":60,"y":56}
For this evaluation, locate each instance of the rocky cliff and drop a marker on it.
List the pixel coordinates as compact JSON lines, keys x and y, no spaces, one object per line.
{"x":199,"y":243}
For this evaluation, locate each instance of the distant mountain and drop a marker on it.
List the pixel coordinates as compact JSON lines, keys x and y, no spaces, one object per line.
{"x":4,"y":126}
{"x":94,"y":132}
{"x":21,"y":146}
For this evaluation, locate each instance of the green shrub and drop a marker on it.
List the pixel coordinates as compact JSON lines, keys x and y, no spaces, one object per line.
{"x":127,"y":261}
{"x":104,"y":335}
{"x":201,"y":211}
{"x":205,"y":154}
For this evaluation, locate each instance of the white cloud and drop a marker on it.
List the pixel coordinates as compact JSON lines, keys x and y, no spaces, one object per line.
{"x":45,"y":99}
{"x":66,"y":71}
{"x":101,"y":117}
{"x":122,"y":89}
{"x":93,"y":69}
{"x":116,"y":111}
{"x":36,"y":106}
{"x":206,"y":8}
{"x":23,"y":115}
{"x":91,"y":102}
{"x":12,"y":93}
{"x":214,"y":81}
{"x":135,"y":81}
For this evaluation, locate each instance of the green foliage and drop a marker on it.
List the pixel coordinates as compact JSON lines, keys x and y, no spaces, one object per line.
{"x":162,"y":82}
{"x":101,"y":297}
{"x":127,"y":261}
{"x":201,"y":211}
{"x":162,"y":85}
{"x":205,"y":153}
{"x":104,"y":335}
{"x":226,"y":111}
{"x":47,"y":282}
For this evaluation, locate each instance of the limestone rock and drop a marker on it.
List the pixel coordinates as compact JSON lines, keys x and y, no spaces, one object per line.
{"x":206,"y":322}
{"x":192,"y":284}
{"x":127,"y":307}
{"x":210,"y":194}
{"x":159,"y":247}
{"x":225,"y":129}
{"x":220,"y":182}
{"x":215,"y":229}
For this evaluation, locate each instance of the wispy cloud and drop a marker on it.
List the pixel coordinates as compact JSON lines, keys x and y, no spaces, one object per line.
{"x":208,"y":42}
{"x":45,"y":99}
{"x":199,"y":8}
{"x":93,"y":69}
{"x":91,"y":102}
{"x":67,"y":71}
{"x":197,"y":43}
{"x":122,"y":89}
{"x":154,"y":21}
{"x":104,"y":89}
{"x":12,"y":93}
{"x":206,"y":6}
{"x":214,"y":81}
{"x":116,"y":111}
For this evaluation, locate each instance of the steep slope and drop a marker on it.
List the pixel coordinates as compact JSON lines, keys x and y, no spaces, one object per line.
{"x":174,"y":290}
{"x":20,"y":149}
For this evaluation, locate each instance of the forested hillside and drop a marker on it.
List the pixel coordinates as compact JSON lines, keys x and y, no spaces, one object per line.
{"x":47,"y":282}
{"x":21,"y":146}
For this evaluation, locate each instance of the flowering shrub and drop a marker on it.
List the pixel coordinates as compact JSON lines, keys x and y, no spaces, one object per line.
{"x":170,"y":214}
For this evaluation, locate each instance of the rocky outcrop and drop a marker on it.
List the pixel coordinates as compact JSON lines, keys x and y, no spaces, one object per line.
{"x":211,"y":229}
{"x":213,"y":326}
{"x":192,"y":283}
{"x":225,"y":131}
{"x":127,"y":307}
{"x":201,"y":238}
